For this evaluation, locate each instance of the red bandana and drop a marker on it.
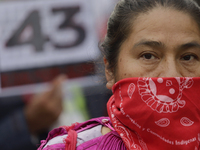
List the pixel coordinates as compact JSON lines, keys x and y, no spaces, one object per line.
{"x":157,"y":113}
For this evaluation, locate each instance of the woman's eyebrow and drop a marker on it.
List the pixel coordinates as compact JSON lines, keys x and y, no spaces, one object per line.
{"x":189,"y":45}
{"x":162,"y":45}
{"x":149,"y":43}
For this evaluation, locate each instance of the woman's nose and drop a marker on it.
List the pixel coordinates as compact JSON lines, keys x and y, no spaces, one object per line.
{"x":170,"y":69}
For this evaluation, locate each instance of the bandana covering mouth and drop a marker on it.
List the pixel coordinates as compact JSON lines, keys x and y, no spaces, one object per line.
{"x":157,"y":113}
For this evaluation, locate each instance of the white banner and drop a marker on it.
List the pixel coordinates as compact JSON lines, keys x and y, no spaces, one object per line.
{"x":45,"y":33}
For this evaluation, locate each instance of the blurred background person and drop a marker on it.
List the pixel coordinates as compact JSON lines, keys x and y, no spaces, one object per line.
{"x":23,"y":124}
{"x":40,"y":40}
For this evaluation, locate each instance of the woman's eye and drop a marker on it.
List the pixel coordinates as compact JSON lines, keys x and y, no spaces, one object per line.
{"x":148,"y":56}
{"x":189,"y":57}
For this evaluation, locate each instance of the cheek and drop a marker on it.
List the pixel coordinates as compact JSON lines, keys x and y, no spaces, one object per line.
{"x":198,"y":73}
{"x":136,"y":70}
{"x":192,"y":72}
{"x":128,"y":69}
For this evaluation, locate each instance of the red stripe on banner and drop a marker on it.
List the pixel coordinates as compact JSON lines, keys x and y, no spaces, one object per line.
{"x":39,"y":75}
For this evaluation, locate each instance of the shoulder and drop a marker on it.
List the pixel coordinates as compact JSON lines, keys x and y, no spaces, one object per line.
{"x":85,"y":131}
{"x":82,"y":137}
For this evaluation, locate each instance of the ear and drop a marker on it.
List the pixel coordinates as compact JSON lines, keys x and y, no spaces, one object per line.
{"x":109,"y":75}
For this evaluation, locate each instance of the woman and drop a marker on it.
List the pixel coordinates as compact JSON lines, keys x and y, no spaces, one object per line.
{"x":152,"y":64}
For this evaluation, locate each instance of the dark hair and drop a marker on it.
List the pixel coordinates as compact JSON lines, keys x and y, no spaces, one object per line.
{"x":126,"y":11}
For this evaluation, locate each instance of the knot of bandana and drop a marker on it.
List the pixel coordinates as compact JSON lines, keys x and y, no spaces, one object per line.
{"x":157,"y":113}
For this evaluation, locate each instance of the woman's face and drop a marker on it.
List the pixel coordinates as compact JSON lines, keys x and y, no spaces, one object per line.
{"x":163,"y":43}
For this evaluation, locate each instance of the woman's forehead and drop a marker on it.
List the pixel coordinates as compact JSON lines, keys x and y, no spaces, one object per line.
{"x":164,"y":18}
{"x":161,"y":24}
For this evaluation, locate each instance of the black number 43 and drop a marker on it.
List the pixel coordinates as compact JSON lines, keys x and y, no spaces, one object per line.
{"x":38,"y":39}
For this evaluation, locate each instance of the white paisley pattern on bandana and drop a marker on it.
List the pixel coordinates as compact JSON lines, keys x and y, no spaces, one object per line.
{"x":170,"y":103}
